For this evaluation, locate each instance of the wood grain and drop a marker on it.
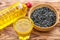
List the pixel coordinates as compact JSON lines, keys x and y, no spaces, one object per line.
{"x":9,"y":33}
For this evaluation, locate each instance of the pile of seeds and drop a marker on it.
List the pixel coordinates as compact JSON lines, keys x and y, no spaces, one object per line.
{"x":43,"y":17}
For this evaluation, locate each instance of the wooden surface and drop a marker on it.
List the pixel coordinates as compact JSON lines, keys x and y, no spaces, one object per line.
{"x":9,"y":34}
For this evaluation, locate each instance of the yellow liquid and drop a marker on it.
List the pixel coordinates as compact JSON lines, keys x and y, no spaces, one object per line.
{"x":24,"y":36}
{"x":11,"y":14}
{"x":23,"y":27}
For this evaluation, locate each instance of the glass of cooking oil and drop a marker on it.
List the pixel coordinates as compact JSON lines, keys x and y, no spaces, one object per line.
{"x":23,"y":27}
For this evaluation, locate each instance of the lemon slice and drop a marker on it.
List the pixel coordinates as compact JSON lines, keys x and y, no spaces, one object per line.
{"x":23,"y":26}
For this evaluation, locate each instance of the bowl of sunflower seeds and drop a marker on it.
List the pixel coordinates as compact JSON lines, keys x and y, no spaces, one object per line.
{"x":44,"y":16}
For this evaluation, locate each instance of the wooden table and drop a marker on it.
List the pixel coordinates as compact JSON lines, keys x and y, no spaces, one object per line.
{"x":9,"y":34}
